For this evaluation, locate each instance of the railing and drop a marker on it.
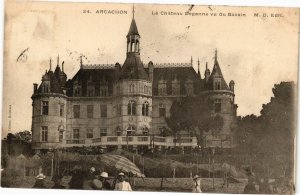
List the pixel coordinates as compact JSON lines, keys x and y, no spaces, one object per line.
{"x":136,"y":140}
{"x":96,"y":140}
{"x":112,"y":139}
{"x":125,"y":139}
{"x":159,"y":139}
{"x":76,"y":141}
{"x":142,"y":139}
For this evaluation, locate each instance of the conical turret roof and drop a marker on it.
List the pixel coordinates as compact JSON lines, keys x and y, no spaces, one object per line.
{"x":133,"y":30}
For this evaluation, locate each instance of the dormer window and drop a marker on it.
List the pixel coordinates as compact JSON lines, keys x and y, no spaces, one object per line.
{"x":45,"y":88}
{"x":189,"y":87}
{"x":103,"y":91}
{"x":175,"y":87}
{"x":162,"y":86}
{"x":217,"y":84}
{"x":91,"y":91}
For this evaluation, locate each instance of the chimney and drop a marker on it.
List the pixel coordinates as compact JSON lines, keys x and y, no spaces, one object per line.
{"x":151,"y":67}
{"x":117,"y":70}
{"x":35,"y":87}
{"x":207,"y":73}
{"x":231,"y":85}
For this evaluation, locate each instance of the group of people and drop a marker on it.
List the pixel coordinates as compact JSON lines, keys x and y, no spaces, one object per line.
{"x":90,"y":181}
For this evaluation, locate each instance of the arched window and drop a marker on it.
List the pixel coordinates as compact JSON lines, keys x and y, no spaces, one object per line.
{"x":131,"y":108}
{"x":145,"y":131}
{"x":131,"y":88}
{"x":145,"y":109}
{"x":131,"y":130}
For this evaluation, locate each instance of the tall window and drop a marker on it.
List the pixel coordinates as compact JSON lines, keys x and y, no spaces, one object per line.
{"x":75,"y":133}
{"x":61,"y":109}
{"x":131,"y":108}
{"x":45,"y":108}
{"x":76,"y":111}
{"x":119,"y":110}
{"x":103,"y":131}
{"x":60,"y":136}
{"x":90,"y":111}
{"x":118,"y":131}
{"x":145,"y":89}
{"x":217,"y":105}
{"x":131,"y":88}
{"x":145,"y":109}
{"x":44,"y":133}
{"x":162,"y":110}
{"x":130,"y":130}
{"x":89,"y":133}
{"x":103,"y":109}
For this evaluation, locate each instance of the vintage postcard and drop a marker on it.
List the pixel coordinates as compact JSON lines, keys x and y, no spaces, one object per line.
{"x":147,"y":97}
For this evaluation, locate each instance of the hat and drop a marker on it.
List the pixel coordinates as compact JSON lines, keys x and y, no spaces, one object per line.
{"x":196,"y":177}
{"x":104,"y":175}
{"x":92,"y":169}
{"x":40,"y":176}
{"x":121,"y":174}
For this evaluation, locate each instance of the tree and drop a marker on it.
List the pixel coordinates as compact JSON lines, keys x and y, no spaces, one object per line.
{"x":193,"y":114}
{"x":24,"y":136}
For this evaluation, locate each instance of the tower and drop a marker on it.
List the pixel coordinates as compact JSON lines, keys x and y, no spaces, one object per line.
{"x":48,"y":110}
{"x":222,"y":98}
{"x":133,"y":89}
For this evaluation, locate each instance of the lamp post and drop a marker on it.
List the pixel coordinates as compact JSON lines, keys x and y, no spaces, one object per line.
{"x":213,"y":166}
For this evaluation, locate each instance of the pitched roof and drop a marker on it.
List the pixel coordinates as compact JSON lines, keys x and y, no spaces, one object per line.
{"x":182,"y":74}
{"x":133,"y":28}
{"x":133,"y":68}
{"x":96,"y":76}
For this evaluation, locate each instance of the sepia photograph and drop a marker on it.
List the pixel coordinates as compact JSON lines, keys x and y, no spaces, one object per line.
{"x":149,"y":97}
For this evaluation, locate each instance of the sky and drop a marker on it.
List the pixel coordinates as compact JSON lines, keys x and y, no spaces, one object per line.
{"x":255,"y":52}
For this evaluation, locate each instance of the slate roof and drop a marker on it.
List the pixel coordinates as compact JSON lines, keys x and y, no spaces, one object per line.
{"x":216,"y":73}
{"x":133,"y":68}
{"x":96,"y":77}
{"x":182,"y":74}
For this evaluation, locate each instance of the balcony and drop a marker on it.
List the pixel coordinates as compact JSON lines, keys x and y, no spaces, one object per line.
{"x":144,"y":140}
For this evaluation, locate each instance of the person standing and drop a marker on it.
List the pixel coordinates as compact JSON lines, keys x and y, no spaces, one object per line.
{"x":122,"y":185}
{"x":196,"y":184}
{"x":103,"y":178}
